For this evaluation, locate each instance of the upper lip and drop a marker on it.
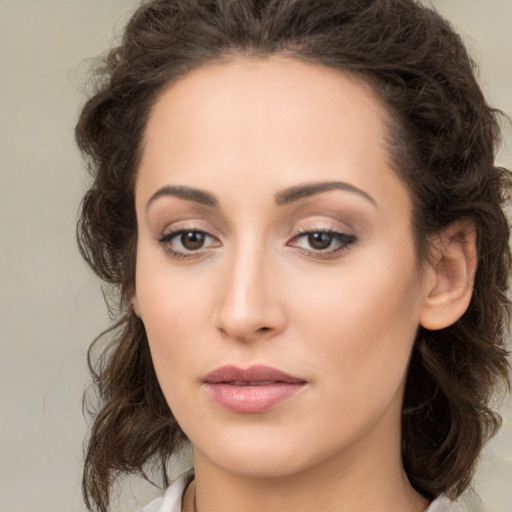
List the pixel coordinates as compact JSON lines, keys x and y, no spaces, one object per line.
{"x":257,"y":373}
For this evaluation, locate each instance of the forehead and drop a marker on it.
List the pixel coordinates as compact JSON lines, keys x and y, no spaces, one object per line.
{"x":248,"y":90}
{"x":270,"y":123}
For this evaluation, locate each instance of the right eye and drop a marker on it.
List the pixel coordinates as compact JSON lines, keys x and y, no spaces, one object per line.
{"x":186,"y":243}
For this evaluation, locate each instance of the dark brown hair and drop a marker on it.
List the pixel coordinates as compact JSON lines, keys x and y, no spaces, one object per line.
{"x":442,"y":138}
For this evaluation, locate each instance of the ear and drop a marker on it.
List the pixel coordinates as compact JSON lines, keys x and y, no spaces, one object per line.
{"x":451,"y":275}
{"x":135,"y":305}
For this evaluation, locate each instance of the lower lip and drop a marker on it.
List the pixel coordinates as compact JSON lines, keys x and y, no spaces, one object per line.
{"x":252,"y":399}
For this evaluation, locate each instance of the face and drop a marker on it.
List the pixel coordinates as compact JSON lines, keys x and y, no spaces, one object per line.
{"x":276,"y":272}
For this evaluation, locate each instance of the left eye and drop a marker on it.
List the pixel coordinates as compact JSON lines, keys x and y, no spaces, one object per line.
{"x":320,"y":241}
{"x":323,"y":241}
{"x":184,"y":241}
{"x":192,"y":240}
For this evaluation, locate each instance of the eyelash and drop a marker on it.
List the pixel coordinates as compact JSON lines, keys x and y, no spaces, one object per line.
{"x":166,"y":240}
{"x":343,"y":240}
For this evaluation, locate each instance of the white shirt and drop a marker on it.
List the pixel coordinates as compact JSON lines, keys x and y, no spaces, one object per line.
{"x":171,"y":500}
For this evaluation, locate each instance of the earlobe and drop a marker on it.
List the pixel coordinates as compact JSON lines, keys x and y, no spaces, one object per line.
{"x":135,"y":305}
{"x":453,"y":268}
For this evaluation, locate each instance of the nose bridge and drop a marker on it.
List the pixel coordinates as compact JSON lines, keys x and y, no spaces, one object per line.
{"x":248,"y":304}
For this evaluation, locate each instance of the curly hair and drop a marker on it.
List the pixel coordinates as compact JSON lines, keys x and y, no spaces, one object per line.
{"x":442,"y":139}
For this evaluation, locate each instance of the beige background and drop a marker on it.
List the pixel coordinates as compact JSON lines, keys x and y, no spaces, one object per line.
{"x":50,"y":305}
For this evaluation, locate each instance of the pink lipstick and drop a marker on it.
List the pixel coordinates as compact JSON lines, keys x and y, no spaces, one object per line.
{"x":256,"y":389}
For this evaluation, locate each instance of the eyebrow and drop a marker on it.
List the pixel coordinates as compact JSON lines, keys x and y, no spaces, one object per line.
{"x":282,"y":198}
{"x":188,"y":193}
{"x":310,"y":189}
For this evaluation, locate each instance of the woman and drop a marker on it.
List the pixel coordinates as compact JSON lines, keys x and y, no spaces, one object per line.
{"x":297,"y":204}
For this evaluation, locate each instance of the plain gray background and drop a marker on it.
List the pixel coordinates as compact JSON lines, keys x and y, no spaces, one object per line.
{"x":50,"y":306}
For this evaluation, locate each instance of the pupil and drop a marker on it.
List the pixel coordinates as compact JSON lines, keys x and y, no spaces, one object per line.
{"x":192,"y":240}
{"x":319,"y":240}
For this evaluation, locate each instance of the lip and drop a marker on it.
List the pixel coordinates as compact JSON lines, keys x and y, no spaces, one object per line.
{"x":253,"y":390}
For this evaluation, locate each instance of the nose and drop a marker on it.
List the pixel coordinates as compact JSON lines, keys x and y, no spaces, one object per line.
{"x":250,"y":300}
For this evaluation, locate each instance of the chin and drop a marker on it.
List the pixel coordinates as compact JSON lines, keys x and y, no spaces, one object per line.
{"x":262,"y":454}
{"x":260,"y":464}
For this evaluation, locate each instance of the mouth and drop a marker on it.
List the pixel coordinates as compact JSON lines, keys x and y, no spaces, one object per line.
{"x":256,"y":389}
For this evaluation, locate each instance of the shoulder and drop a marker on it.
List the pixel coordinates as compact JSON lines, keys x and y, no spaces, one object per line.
{"x":171,"y":500}
{"x":444,"y":504}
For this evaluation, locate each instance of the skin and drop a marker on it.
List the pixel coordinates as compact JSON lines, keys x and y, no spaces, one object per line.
{"x":342,"y":319}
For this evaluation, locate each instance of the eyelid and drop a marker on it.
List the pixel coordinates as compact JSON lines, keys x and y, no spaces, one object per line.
{"x":344,"y":238}
{"x":172,"y":232}
{"x":341,"y":238}
{"x":187,"y":224}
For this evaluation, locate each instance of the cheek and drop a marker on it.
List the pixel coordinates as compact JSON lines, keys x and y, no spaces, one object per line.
{"x":364,"y":324}
{"x":173,"y":309}
{"x":173,"y":328}
{"x":353,"y":326}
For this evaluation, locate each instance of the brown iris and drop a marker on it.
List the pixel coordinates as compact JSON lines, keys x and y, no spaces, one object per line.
{"x":320,"y":240}
{"x":192,"y":240}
